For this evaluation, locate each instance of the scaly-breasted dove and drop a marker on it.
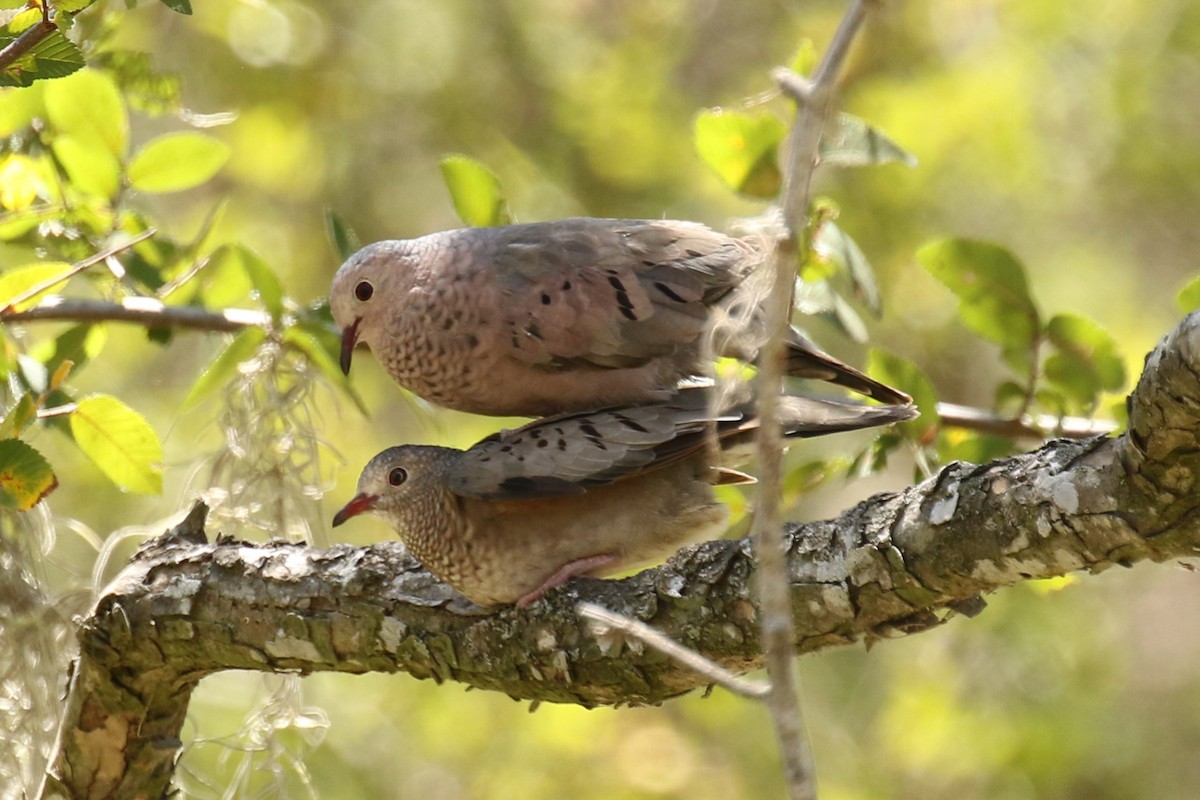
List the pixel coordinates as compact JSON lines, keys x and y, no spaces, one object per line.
{"x":524,"y":510}
{"x":553,"y":317}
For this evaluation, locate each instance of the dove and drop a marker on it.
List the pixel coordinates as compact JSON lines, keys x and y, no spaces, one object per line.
{"x":555,"y":317}
{"x":524,"y":510}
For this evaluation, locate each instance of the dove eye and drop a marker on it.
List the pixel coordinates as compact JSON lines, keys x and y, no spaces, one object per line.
{"x":397,"y":476}
{"x":364,"y":290}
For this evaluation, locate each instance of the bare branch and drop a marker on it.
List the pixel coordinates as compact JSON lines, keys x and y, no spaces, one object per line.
{"x":28,"y":40}
{"x":145,"y":311}
{"x":607,"y":621}
{"x":75,"y":269}
{"x":1038,"y":426}
{"x":893,"y":565}
{"x":814,"y":100}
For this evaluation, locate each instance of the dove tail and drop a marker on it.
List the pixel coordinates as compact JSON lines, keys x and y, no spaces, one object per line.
{"x":802,"y":417}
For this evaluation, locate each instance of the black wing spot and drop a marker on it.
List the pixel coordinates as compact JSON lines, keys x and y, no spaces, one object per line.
{"x":543,"y":443}
{"x":589,"y":430}
{"x":566,"y":287}
{"x":562,"y":445}
{"x":669,"y":292}
{"x":633,"y":426}
{"x":545,"y":299}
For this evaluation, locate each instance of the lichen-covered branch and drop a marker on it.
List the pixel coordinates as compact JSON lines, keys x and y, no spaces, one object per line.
{"x":894,"y":564}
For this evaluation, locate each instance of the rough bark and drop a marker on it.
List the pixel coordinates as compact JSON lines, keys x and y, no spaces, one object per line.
{"x":895,"y":564}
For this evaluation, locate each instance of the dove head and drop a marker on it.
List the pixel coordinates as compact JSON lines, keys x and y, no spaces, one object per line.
{"x":406,"y":486}
{"x":365,"y":287}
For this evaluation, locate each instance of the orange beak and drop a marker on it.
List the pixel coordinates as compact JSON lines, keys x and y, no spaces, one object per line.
{"x":349,"y":340}
{"x":360,"y":503}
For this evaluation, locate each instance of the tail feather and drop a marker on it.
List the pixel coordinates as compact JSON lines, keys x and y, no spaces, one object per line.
{"x":806,"y":360}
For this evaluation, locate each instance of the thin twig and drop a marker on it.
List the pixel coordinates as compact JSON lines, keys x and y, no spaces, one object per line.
{"x":78,"y":267}
{"x":145,"y":311}
{"x":28,"y":40}
{"x":814,"y":100}
{"x":1038,"y":426}
{"x":605,"y":620}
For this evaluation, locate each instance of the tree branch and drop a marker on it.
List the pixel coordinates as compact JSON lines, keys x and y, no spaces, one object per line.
{"x":145,"y":311}
{"x":29,"y":39}
{"x":893,"y":565}
{"x":814,"y":100}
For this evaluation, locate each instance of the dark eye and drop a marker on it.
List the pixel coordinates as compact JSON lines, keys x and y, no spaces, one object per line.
{"x":397,"y":476}
{"x":364,"y":290}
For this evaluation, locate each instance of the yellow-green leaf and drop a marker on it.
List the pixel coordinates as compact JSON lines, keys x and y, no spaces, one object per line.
{"x":22,"y":414}
{"x":243,"y":346}
{"x":120,"y":442}
{"x":90,"y":166}
{"x":20,"y":182}
{"x":25,"y":476}
{"x":177,"y":161}
{"x":14,"y":283}
{"x":475,"y":190}
{"x":88,"y":104}
{"x":742,"y":147}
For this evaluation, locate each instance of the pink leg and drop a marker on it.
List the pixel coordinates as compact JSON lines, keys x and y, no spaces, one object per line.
{"x":581,"y":566}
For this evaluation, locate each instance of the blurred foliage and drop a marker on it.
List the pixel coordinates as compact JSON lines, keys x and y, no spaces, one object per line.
{"x":247,"y":132}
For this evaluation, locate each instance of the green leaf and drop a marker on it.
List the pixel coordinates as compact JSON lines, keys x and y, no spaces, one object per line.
{"x":88,"y":105}
{"x":182,"y":6}
{"x":322,"y":351}
{"x":833,"y":243}
{"x":1088,"y":361}
{"x":215,"y":376}
{"x":20,"y":417}
{"x":264,"y":280}
{"x":53,"y":57}
{"x":19,"y":109}
{"x":176,"y":161}
{"x":475,"y":190}
{"x":993,"y":294}
{"x":345,"y":240}
{"x":120,"y":442}
{"x":90,"y":166}
{"x":234,"y":263}
{"x":25,"y":476}
{"x":18,"y":223}
{"x":908,"y":377}
{"x":1188,"y":299}
{"x":72,"y":6}
{"x":14,"y":283}
{"x":851,"y":142}
{"x":742,"y":147}
{"x":78,"y":345}
{"x":224,"y":281}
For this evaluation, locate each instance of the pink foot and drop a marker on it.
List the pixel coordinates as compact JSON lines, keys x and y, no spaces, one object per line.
{"x":571,"y":569}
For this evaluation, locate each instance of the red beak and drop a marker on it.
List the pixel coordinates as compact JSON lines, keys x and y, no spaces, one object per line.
{"x":360,"y":503}
{"x":349,"y":339}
